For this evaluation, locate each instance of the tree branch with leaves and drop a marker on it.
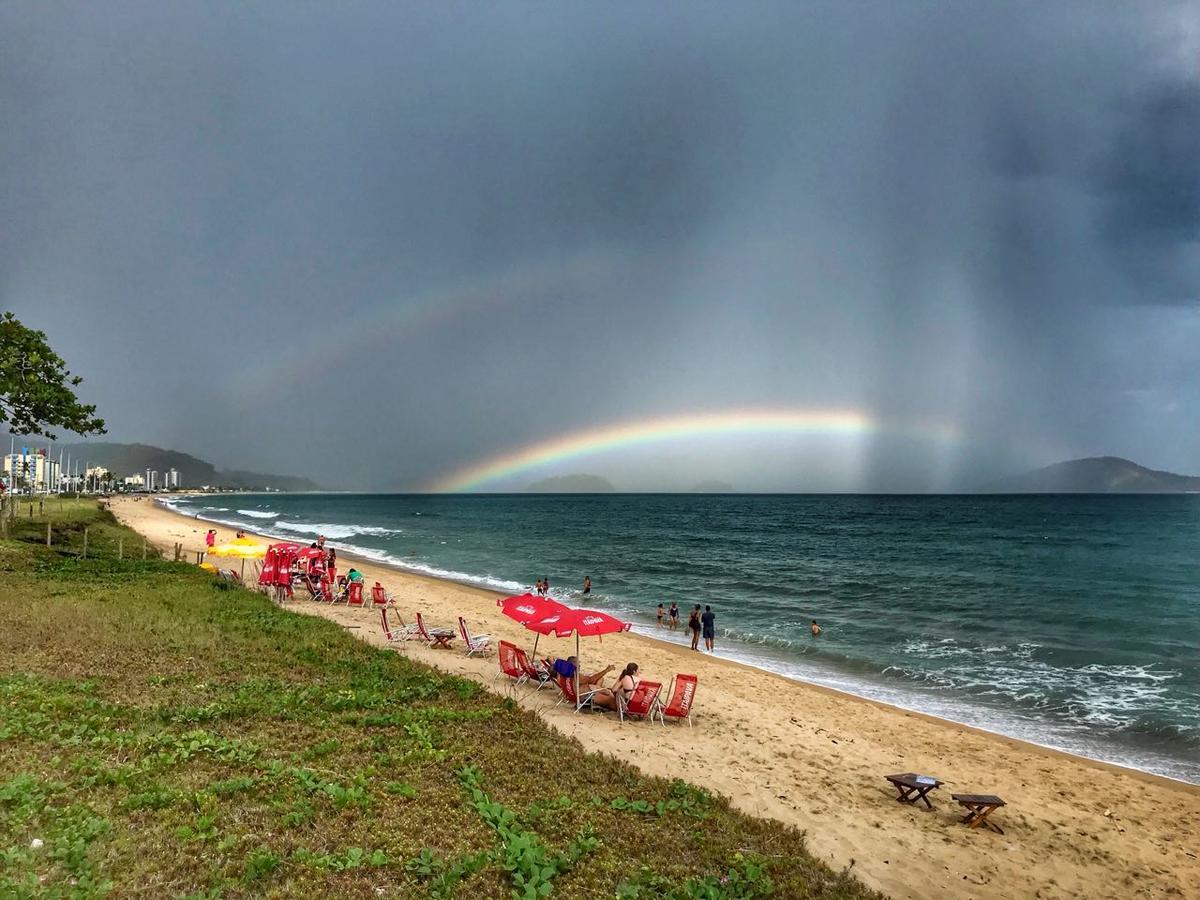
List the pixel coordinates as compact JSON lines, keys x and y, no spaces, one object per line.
{"x":36,"y":388}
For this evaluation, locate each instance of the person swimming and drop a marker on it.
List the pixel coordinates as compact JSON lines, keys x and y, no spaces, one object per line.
{"x":814,"y":628}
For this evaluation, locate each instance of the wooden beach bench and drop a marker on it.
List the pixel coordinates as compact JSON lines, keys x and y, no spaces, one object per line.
{"x":913,"y":787}
{"x":979,"y":807}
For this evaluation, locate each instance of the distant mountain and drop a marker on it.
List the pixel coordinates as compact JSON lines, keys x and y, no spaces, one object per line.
{"x":132,"y":459}
{"x":712,"y":487}
{"x":572,"y":484}
{"x":1098,"y":475}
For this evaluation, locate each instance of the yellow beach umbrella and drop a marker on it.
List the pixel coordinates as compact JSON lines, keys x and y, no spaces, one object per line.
{"x":241,"y":548}
{"x":245,"y":548}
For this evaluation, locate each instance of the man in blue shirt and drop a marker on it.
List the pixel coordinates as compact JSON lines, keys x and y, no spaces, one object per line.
{"x":565,"y":668}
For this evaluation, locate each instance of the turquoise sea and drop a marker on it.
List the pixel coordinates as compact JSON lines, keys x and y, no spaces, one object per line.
{"x":1069,"y":620}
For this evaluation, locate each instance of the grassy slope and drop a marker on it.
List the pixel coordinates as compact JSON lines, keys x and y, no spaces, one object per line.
{"x":165,"y":737}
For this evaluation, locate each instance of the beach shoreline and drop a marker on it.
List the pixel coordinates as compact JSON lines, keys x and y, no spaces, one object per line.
{"x":815,"y":756}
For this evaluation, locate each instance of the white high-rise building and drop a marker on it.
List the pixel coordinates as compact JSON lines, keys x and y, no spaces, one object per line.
{"x":171,"y":479}
{"x":31,"y":471}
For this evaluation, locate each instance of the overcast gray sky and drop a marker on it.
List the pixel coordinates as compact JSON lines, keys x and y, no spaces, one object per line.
{"x":376,"y":242}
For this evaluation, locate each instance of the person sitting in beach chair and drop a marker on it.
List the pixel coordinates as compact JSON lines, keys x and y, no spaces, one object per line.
{"x":565,"y":668}
{"x":620,"y":692}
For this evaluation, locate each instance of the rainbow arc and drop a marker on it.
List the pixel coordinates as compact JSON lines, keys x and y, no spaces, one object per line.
{"x":591,"y":441}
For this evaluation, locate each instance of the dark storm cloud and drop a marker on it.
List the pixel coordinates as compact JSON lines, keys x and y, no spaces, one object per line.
{"x":402,"y":238}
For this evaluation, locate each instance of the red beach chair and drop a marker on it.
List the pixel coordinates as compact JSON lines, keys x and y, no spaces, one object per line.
{"x":510,"y":663}
{"x":355,"y":597}
{"x":683,"y":694}
{"x":434,"y":637}
{"x":326,"y":591}
{"x":476,"y":643}
{"x":379,"y":597}
{"x":566,"y":687}
{"x":532,"y":672}
{"x":642,"y":702}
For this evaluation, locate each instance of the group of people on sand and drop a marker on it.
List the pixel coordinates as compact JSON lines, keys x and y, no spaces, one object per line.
{"x":608,"y":698}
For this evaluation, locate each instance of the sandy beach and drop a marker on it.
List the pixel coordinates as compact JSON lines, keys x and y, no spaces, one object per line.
{"x":815,"y":758}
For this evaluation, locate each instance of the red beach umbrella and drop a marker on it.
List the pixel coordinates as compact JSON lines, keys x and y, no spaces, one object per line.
{"x":586,"y":622}
{"x":525,"y":608}
{"x":529,"y":607}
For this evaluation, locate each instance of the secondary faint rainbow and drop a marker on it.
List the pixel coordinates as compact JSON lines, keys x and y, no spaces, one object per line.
{"x":371,"y":337}
{"x":666,"y":428}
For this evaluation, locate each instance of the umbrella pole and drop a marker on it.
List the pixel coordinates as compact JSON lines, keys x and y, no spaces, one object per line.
{"x":535,"y":640}
{"x":243,"y":570}
{"x":578,"y":705}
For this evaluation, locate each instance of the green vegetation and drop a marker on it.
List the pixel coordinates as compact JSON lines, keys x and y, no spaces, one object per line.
{"x":36,"y":390}
{"x":164,"y":737}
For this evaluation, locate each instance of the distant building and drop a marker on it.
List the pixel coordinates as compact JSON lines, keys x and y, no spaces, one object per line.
{"x":152,"y":479}
{"x":32,"y":472}
{"x":135,"y":481}
{"x":171,"y":479}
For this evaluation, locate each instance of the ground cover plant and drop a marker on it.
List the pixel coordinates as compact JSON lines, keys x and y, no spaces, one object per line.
{"x":164,"y":735}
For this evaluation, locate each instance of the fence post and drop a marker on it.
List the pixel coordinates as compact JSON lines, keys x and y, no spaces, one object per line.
{"x":121,"y":547}
{"x":85,"y":531}
{"x":143,"y":549}
{"x":41,"y":507}
{"x":47,"y":534}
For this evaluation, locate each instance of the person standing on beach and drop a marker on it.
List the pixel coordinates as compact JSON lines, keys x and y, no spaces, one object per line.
{"x":587,"y":584}
{"x":708,"y":621}
{"x":540,"y":590}
{"x":660,"y":615}
{"x":210,"y":538}
{"x":545,"y":585}
{"x":674,"y":615}
{"x":694,"y":625}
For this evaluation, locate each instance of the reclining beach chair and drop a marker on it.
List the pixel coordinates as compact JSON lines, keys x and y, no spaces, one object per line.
{"x":326,"y":591}
{"x":314,"y":589}
{"x":643,"y":702}
{"x":355,"y":595}
{"x":683,"y":694}
{"x":510,"y":664}
{"x":476,"y":643}
{"x":341,"y":592}
{"x":532,"y":672}
{"x":379,"y":597}
{"x":583,"y":700}
{"x":434,"y":637}
{"x":396,"y":632}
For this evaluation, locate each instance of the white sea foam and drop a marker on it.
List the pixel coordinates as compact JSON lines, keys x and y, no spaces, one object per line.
{"x":336,"y":532}
{"x":487,"y":581}
{"x":257,"y":513}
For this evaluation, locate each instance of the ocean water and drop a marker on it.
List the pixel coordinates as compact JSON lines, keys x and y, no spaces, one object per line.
{"x":1069,"y":621}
